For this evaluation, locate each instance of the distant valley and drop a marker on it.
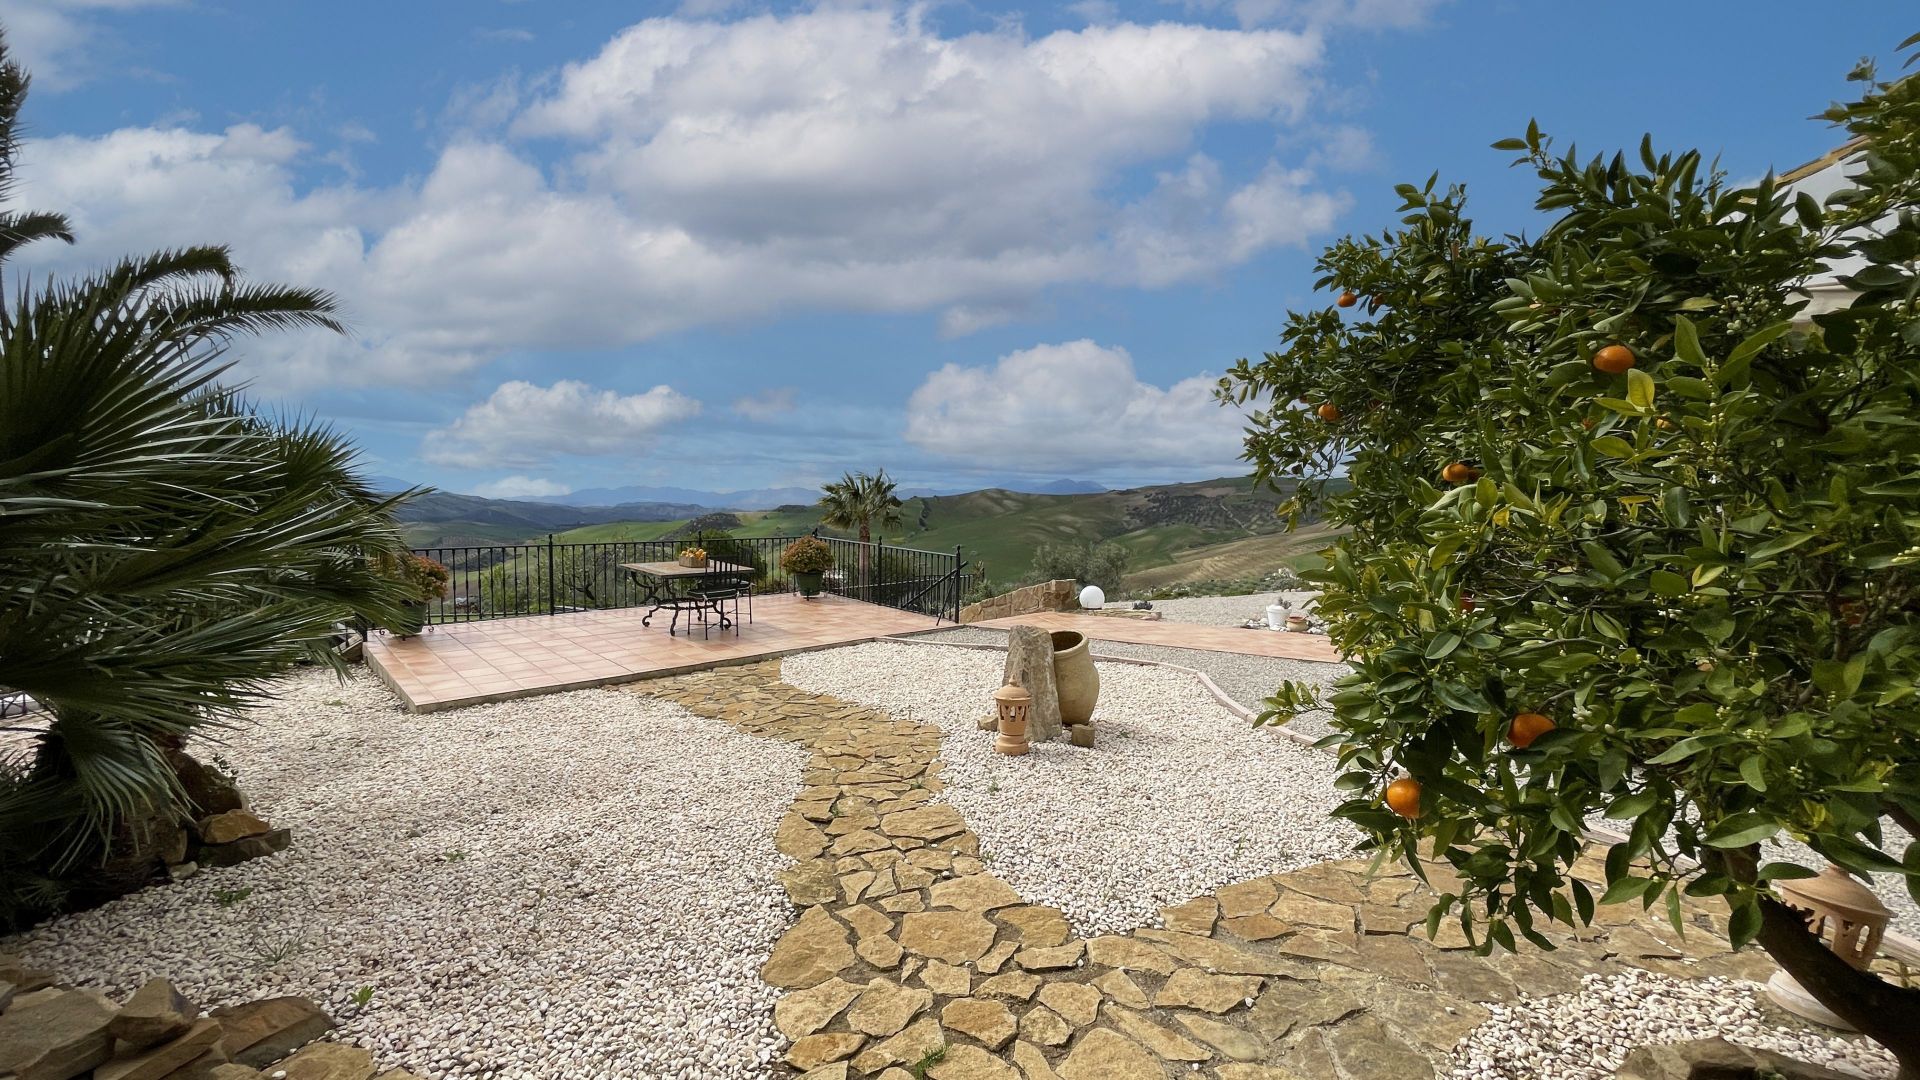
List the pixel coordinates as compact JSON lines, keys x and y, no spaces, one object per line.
{"x":1176,"y":533}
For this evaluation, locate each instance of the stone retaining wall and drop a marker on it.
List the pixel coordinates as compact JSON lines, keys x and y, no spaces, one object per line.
{"x":1060,"y":594}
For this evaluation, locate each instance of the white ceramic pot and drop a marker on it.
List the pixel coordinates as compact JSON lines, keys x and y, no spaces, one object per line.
{"x":1276,"y":617}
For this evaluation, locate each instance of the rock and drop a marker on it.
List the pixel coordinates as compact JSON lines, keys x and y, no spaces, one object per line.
{"x":985,"y":1021}
{"x":6,"y":994}
{"x":328,"y":1061}
{"x":1229,"y":1040}
{"x":1030,"y":665}
{"x":1366,"y":1046}
{"x":1123,"y":990}
{"x":1080,"y":735}
{"x":813,"y":1051}
{"x":1303,"y":910}
{"x":160,"y":1062}
{"x":179,"y":872}
{"x":835,"y":1071}
{"x":231,"y":1071}
{"x":880,"y":952}
{"x":1044,"y":1026}
{"x":1038,"y":926}
{"x":1286,"y":1005}
{"x":924,"y":822}
{"x":1246,"y":898}
{"x":975,"y":892}
{"x":920,"y":1039}
{"x":1193,"y":917}
{"x":1032,"y":1062}
{"x":202,"y":1067}
{"x":1107,"y":1055}
{"x":866,"y":921}
{"x":155,"y":1013}
{"x":947,"y":980}
{"x":262,"y":1032}
{"x":811,"y":883}
{"x":971,"y":1063}
{"x":1012,"y":985}
{"x":996,"y":958}
{"x":25,"y":979}
{"x":1056,"y":958}
{"x":797,"y":839}
{"x":1077,"y":1003}
{"x":1261,"y":927}
{"x":814,"y":950}
{"x":253,"y":847}
{"x":1191,"y":988}
{"x":883,"y":1008}
{"x":396,"y":1074}
{"x":225,"y":828}
{"x":804,"y":1012}
{"x":207,"y":788}
{"x":1715,"y":1058}
{"x":1129,"y":954}
{"x":1216,"y":955}
{"x":1164,"y":1041}
{"x":956,"y":937}
{"x":1255,"y":1072}
{"x":56,"y":1037}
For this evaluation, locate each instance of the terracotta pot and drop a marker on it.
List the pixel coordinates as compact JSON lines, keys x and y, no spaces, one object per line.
{"x":1297,"y":623}
{"x":1074,"y":677}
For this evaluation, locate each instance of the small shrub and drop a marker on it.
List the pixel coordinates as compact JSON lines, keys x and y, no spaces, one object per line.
{"x":807,"y":555}
{"x":230,"y":897}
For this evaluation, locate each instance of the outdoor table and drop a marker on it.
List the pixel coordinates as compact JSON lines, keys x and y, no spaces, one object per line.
{"x":660,"y":578}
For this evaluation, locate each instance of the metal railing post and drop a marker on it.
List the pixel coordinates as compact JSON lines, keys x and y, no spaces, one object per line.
{"x":957,"y":598}
{"x":551,"y":609}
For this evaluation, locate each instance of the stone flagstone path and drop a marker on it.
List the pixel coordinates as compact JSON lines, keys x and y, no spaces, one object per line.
{"x":910,"y":961}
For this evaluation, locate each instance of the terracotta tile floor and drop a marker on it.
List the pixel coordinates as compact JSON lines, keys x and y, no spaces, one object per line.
{"x":471,"y":663}
{"x":1179,"y":635}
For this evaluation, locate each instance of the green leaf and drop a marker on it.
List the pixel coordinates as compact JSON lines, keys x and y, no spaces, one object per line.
{"x":1443,"y":645}
{"x":1625,"y":889}
{"x":1744,"y":924}
{"x":1667,"y":583}
{"x":1640,"y":388}
{"x":1785,"y":871}
{"x":1777,"y":546}
{"x":1739,"y":830}
{"x":1628,"y":807}
{"x":1753,"y":773}
{"x":1612,"y":446}
{"x":1686,"y":342}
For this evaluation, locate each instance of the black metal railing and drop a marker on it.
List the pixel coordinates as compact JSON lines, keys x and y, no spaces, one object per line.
{"x":494,"y":581}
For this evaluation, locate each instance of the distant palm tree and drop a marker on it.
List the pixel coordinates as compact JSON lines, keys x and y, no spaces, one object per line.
{"x":164,"y":551}
{"x":857,"y":501}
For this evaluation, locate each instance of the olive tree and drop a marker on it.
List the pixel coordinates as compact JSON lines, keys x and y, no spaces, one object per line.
{"x":1634,"y":535}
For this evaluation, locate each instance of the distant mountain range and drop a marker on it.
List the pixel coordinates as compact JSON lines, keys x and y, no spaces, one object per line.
{"x":768,"y":498}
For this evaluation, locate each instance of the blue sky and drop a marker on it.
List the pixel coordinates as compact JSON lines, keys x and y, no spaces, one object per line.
{"x":729,"y":245}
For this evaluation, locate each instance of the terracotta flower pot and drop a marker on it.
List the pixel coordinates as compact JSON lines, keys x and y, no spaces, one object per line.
{"x":1074,"y":677}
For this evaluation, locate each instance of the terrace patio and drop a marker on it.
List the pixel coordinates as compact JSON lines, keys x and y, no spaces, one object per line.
{"x":458,"y":664}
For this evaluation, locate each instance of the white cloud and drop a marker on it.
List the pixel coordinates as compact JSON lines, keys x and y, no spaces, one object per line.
{"x":520,"y":487}
{"x":522,"y":425}
{"x":767,"y":404}
{"x":1075,"y":406}
{"x":1376,"y":14}
{"x":52,"y":38}
{"x":840,"y":159}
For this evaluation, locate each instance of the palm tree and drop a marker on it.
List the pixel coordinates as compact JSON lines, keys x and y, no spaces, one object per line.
{"x":857,"y":501}
{"x":166,"y":552}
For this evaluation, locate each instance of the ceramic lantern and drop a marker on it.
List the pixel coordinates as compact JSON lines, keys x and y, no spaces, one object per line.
{"x":1011,"y":704}
{"x":1847,"y":918}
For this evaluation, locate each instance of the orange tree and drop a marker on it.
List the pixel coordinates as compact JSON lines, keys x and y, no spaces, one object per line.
{"x":1633,"y":535}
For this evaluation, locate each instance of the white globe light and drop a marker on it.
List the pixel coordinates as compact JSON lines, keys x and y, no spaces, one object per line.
{"x":1092,"y":597}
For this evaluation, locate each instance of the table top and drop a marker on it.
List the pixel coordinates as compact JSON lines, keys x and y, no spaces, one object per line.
{"x":674,"y":569}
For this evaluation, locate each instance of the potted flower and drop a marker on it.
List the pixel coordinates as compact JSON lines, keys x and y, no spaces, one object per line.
{"x":693,"y":556}
{"x":424,"y":580}
{"x":806,"y":560}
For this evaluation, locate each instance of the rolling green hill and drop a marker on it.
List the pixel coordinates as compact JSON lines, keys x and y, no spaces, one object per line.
{"x":1212,"y":530}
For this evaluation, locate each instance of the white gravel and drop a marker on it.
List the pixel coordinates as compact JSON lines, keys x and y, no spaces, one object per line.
{"x":579,"y":885}
{"x":1225,"y":610}
{"x":1178,"y":797}
{"x":1587,"y":1034}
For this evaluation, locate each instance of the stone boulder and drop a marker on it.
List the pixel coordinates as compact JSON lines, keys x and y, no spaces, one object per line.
{"x":1030,"y":666}
{"x":232,"y":825}
{"x":262,"y":1032}
{"x":167,"y":1060}
{"x":55,"y":1035}
{"x":239,"y":851}
{"x":1716,"y":1059}
{"x":155,"y":1013}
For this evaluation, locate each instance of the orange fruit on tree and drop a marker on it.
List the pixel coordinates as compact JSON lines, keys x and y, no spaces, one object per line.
{"x":1466,"y":603}
{"x":1527,"y":727}
{"x":1347,"y":299}
{"x":1329,"y":412}
{"x":1614,"y":359}
{"x":1459,"y":473}
{"x":1403,"y":797}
